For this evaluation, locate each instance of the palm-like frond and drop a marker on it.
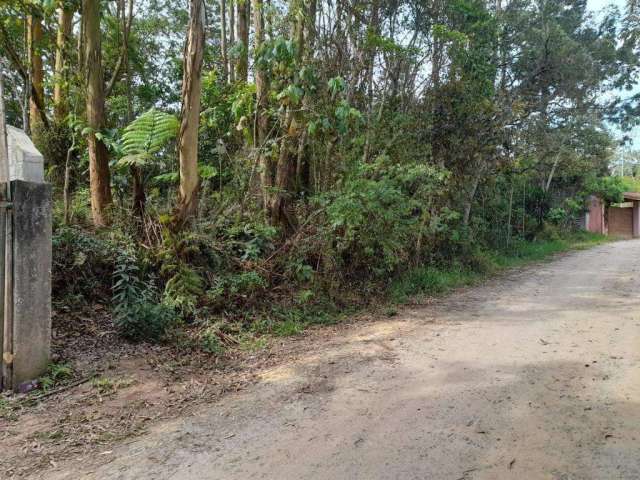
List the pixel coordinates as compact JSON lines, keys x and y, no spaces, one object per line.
{"x":146,"y":136}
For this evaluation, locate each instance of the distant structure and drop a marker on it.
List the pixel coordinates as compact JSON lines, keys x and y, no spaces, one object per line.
{"x":620,"y":220}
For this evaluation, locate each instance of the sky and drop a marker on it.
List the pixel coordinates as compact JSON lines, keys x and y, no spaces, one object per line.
{"x":599,"y":4}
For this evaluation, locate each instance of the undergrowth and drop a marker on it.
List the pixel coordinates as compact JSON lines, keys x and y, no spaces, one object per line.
{"x":434,"y":280}
{"x":233,"y":284}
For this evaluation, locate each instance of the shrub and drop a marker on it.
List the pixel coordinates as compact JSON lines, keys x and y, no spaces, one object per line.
{"x":82,"y":266}
{"x":557,"y":216}
{"x":183,"y":291}
{"x":384,"y":213}
{"x":210,"y":341}
{"x":137,"y":313}
{"x":56,"y":374}
{"x":610,"y":189}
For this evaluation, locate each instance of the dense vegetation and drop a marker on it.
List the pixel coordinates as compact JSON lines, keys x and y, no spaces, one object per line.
{"x":237,"y":165}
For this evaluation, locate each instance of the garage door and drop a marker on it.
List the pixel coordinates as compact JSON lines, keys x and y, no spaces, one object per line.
{"x":621,"y":222}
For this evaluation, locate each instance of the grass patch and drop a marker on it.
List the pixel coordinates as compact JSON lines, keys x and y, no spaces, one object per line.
{"x":431,"y":280}
{"x":437,"y":280}
{"x":105,"y":385}
{"x":289,"y":327}
{"x":251,"y":343}
{"x":526,"y":252}
{"x":7,"y":411}
{"x":293,"y":320}
{"x":57,"y":373}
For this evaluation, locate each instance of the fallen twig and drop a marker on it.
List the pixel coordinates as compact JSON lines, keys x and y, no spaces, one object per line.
{"x":63,"y":388}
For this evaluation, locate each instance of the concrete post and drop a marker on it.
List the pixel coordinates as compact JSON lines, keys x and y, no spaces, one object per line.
{"x":31,"y":279}
{"x":28,"y":265}
{"x":636,"y":219}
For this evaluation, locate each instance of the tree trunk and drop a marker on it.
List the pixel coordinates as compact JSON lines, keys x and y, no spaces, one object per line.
{"x":223,"y":41}
{"x":99,"y":176}
{"x":261,"y":120}
{"x":547,"y":184}
{"x":60,"y":90}
{"x":139,"y":195}
{"x":510,"y":209}
{"x":437,"y":60}
{"x":242,"y":64}
{"x":281,"y":211}
{"x":66,"y":190}
{"x":468,"y":203}
{"x":280,"y":206}
{"x":29,"y":94}
{"x":34,"y":44}
{"x":126,"y":20}
{"x":190,"y":115}
{"x":371,"y":55}
{"x":232,"y":38}
{"x":303,"y":168}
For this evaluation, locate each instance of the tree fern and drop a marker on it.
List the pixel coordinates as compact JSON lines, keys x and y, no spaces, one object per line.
{"x":146,"y":136}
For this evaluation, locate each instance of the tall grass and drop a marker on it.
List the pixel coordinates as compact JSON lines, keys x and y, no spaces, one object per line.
{"x":434,"y":280}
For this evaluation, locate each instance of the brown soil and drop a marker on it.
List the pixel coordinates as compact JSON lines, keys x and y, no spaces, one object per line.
{"x":531,"y":376}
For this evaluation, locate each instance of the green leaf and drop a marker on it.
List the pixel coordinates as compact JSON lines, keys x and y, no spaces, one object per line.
{"x":146,"y":136}
{"x":207,"y":171}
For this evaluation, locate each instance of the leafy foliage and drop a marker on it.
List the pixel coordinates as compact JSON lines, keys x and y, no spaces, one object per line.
{"x":146,"y":136}
{"x":81,"y":263}
{"x":384,"y":213}
{"x":137,"y":312}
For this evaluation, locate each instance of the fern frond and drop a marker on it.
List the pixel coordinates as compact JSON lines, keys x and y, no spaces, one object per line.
{"x":137,"y":159}
{"x":147,"y":135}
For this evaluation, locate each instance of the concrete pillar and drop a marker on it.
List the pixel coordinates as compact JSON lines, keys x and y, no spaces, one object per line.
{"x":31,"y":279}
{"x":29,"y":297}
{"x":636,"y":219}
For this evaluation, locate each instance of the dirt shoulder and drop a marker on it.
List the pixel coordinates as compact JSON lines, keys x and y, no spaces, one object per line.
{"x":119,"y":390}
{"x":532,"y":375}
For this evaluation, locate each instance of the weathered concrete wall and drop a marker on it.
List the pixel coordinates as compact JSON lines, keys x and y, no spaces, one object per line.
{"x":32,"y":279}
{"x":27,"y":356}
{"x":595,"y":218}
{"x":25,"y":161}
{"x":636,"y":219}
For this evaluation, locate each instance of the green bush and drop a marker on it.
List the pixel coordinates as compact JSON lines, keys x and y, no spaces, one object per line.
{"x":610,"y":189}
{"x":137,"y":312}
{"x":82,"y":266}
{"x":183,"y":291}
{"x":557,"y":216}
{"x":56,"y":374}
{"x":383,"y":213}
{"x":210,"y":341}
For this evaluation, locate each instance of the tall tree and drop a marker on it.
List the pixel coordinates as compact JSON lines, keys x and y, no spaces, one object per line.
{"x":262,"y":119}
{"x":223,"y":41}
{"x":190,"y":113}
{"x":60,"y":90}
{"x":99,"y":175}
{"x":280,"y":206}
{"x":242,"y":63}
{"x":36,"y":71}
{"x":232,"y":38}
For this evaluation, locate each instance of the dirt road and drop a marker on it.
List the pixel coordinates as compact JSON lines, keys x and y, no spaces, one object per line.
{"x":533,"y":376}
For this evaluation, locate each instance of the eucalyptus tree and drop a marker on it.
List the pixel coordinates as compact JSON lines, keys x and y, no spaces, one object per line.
{"x":99,"y":174}
{"x":190,"y":113}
